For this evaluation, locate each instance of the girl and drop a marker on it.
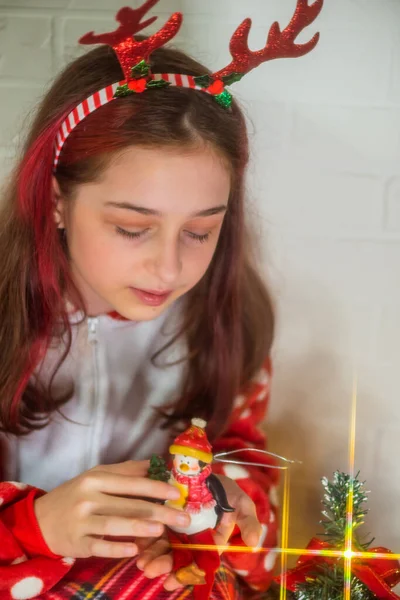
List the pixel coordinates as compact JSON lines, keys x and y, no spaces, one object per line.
{"x":129,"y":304}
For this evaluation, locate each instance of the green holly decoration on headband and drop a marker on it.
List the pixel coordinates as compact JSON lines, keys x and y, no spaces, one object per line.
{"x":223,"y":97}
{"x":139,"y":83}
{"x":140,"y":70}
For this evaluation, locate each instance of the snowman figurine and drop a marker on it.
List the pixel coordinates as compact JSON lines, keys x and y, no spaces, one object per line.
{"x":203,"y":497}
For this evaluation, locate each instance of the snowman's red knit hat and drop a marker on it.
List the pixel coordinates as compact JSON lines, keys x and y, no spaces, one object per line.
{"x":193,"y":442}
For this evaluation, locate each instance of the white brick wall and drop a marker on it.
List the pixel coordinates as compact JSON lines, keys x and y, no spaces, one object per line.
{"x":326,"y":186}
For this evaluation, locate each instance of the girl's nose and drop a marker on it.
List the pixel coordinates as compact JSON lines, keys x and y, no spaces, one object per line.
{"x":168,"y":264}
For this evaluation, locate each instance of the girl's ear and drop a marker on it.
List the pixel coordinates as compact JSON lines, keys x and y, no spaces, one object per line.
{"x":59,"y":205}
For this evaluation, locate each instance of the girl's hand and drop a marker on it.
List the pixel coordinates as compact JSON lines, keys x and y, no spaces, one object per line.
{"x":155,"y":558}
{"x":245,"y":516}
{"x":106,"y":501}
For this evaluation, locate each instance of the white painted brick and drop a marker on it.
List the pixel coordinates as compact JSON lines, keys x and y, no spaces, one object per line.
{"x":394,"y":86}
{"x":344,"y":68}
{"x":25,"y":47}
{"x":29,"y":4}
{"x":388,"y":346}
{"x":386,"y":459}
{"x":16,"y":104}
{"x":110,"y":5}
{"x":357,"y":139}
{"x":392,"y":205}
{"x":370,"y":15}
{"x":340,"y":270}
{"x":328,"y":202}
{"x":346,"y":14}
{"x":73,"y":27}
{"x":266,"y":123}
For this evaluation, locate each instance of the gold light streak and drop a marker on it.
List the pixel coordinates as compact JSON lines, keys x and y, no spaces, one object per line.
{"x":285,"y":531}
{"x":288,"y":551}
{"x":348,"y":544}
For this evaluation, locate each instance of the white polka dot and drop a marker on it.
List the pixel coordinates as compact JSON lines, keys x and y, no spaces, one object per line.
{"x":263,"y":535}
{"x":273,"y":495}
{"x":18,"y":484}
{"x":262,"y":394}
{"x":239,"y":401}
{"x":67,"y":560}
{"x":272,"y":517}
{"x":20,"y":559}
{"x":235,"y":472}
{"x":241,"y":573}
{"x":261,"y":377}
{"x":29,"y":587}
{"x":246,"y":414}
{"x":269,"y":560}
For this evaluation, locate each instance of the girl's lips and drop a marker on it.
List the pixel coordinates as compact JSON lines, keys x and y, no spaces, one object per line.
{"x":151,"y":298}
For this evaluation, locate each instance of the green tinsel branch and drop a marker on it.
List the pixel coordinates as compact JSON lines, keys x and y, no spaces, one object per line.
{"x":328,"y":584}
{"x":335,"y":510}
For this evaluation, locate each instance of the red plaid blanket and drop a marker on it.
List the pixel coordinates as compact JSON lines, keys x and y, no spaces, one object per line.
{"x":105,"y":579}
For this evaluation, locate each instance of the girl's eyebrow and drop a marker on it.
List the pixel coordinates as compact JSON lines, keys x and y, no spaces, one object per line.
{"x":149,"y":211}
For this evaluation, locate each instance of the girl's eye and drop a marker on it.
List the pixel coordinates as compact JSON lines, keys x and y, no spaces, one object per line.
{"x":199,"y":238}
{"x":130,"y":234}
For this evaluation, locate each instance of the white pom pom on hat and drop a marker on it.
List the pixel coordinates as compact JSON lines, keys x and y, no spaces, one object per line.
{"x":199,"y":423}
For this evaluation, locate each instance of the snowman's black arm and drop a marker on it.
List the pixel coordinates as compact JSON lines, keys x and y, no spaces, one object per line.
{"x":218,"y":492}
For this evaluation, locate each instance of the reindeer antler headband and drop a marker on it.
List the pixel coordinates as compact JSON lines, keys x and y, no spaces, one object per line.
{"x":134,"y":56}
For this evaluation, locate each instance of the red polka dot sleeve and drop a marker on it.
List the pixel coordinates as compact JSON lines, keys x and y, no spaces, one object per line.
{"x":258,"y":482}
{"x":24,"y":573}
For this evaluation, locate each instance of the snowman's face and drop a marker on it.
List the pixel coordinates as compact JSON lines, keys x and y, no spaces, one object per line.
{"x":187,"y":465}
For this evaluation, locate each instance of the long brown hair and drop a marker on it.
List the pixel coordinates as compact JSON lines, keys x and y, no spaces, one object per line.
{"x":228,"y":320}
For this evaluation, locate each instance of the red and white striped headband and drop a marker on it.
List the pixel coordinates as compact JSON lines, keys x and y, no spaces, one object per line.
{"x":134,"y":57}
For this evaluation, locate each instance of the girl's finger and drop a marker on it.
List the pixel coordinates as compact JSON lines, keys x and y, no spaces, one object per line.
{"x":247,"y":520}
{"x":107,"y":549}
{"x":225,"y":528}
{"x":250,"y":529}
{"x":132,"y":468}
{"x":140,"y":509}
{"x":162,"y":565}
{"x":127,"y":485}
{"x":171,"y":583}
{"x":116,"y":526}
{"x":158,"y":548}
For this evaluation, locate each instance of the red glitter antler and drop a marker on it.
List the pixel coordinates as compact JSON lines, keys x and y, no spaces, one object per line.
{"x":279,"y":44}
{"x":129,"y":51}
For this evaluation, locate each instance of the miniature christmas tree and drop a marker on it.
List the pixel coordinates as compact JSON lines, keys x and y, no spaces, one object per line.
{"x":158,"y":469}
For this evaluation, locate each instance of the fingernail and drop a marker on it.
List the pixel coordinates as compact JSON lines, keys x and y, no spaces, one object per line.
{"x":140,"y":564}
